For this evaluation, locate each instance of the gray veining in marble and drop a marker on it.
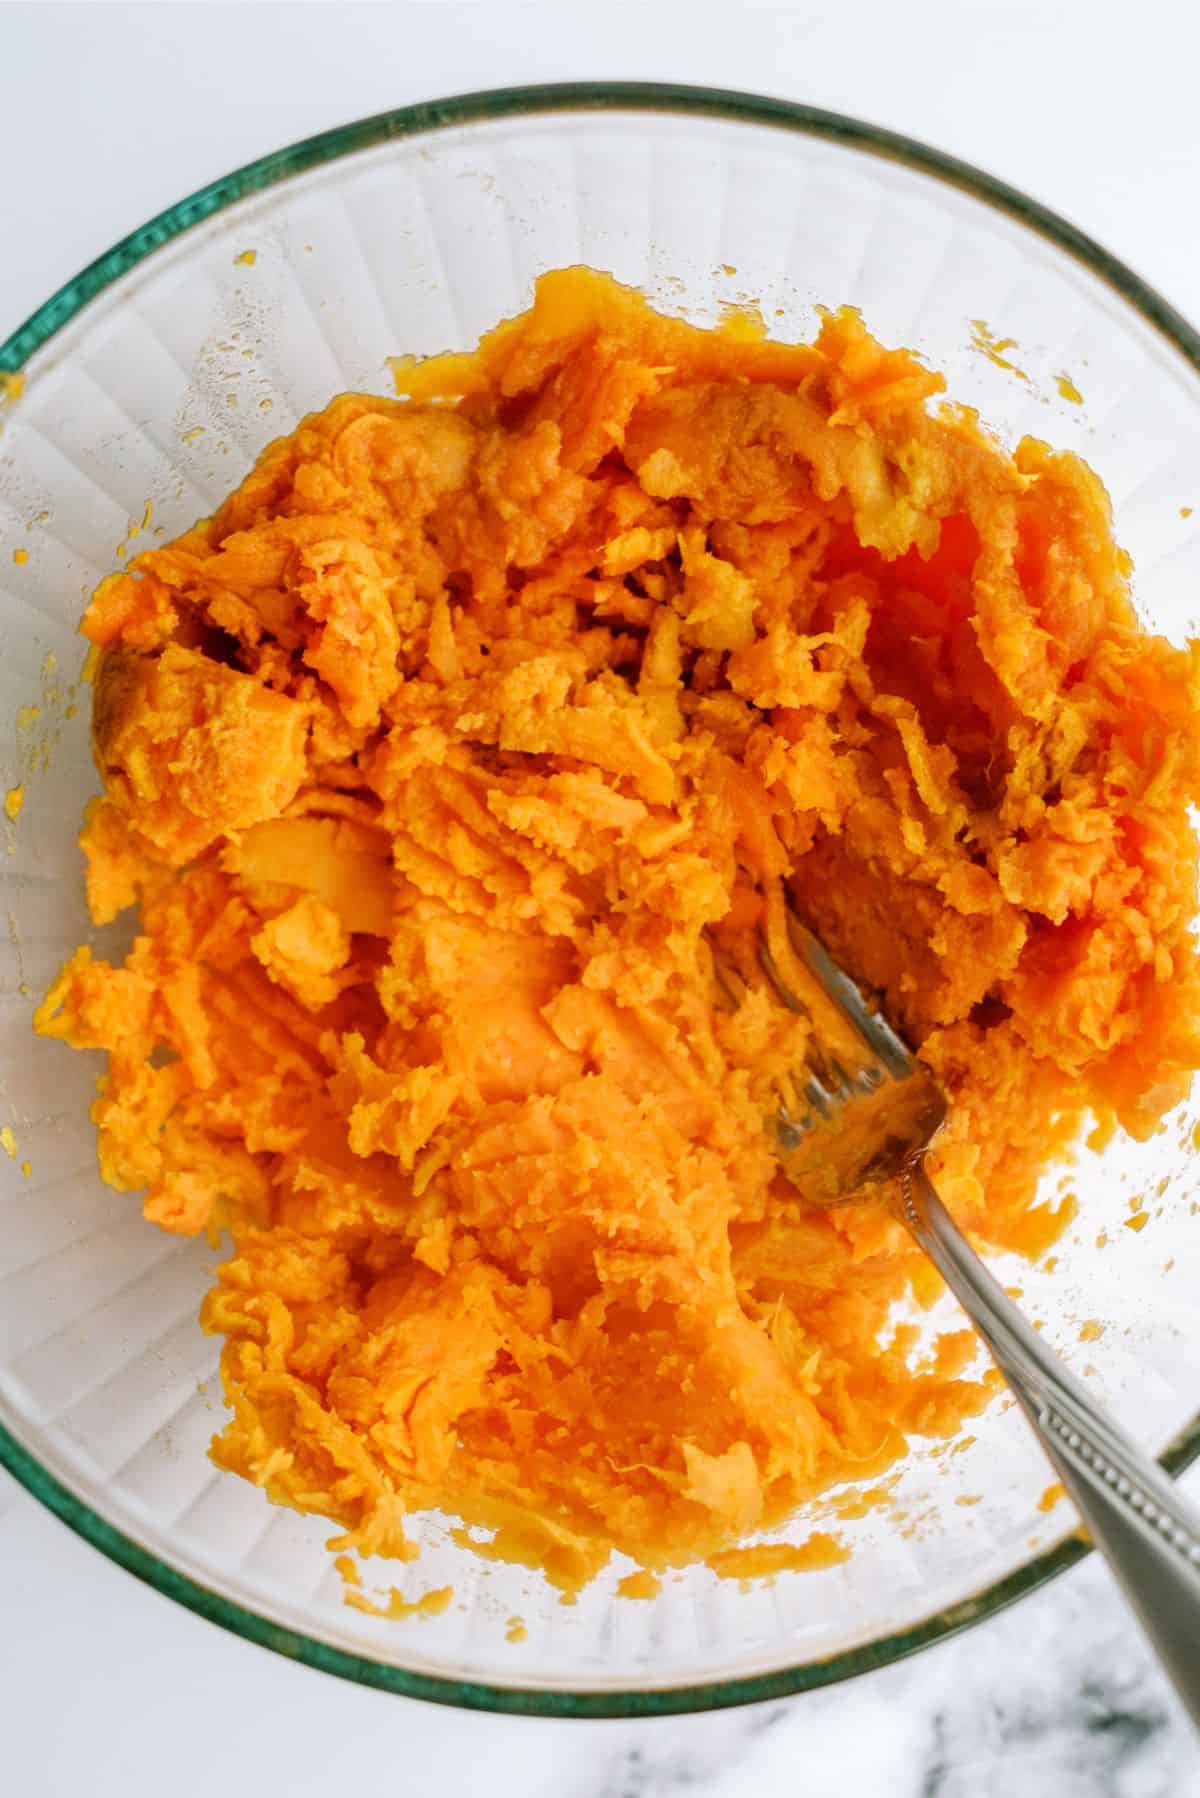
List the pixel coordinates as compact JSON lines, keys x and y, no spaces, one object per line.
{"x":1056,"y":1698}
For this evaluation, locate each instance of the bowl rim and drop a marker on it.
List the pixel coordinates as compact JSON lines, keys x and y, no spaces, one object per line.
{"x":42,"y":325}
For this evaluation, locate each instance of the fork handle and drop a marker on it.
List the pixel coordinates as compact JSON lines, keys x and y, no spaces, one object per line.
{"x":1134,"y":1513}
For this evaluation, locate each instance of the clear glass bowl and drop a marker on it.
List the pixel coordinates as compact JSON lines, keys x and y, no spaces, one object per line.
{"x":151,"y":381}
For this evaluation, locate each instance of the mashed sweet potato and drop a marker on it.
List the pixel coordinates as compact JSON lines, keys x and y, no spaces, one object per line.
{"x":437,"y":761}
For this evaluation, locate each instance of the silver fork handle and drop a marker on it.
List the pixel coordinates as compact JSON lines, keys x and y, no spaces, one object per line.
{"x":1134,"y":1514}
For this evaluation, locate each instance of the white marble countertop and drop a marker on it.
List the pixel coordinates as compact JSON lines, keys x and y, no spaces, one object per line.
{"x":107,"y":1688}
{"x":117,"y":1692}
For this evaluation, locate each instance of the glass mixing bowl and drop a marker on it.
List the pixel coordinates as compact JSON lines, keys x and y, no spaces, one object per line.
{"x":150,"y":383}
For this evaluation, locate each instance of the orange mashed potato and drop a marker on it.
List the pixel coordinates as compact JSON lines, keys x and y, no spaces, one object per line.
{"x":437,"y":761}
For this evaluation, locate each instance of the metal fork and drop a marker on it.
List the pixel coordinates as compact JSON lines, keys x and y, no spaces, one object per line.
{"x":888,"y":1108}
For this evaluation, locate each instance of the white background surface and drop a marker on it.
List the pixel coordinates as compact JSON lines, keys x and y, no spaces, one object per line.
{"x":109,"y":113}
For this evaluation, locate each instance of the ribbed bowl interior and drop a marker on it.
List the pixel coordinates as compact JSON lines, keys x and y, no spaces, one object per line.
{"x":138,"y":415}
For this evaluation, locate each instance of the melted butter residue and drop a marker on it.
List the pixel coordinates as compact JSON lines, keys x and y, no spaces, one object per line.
{"x":134,"y":528}
{"x":397,"y":1607}
{"x":348,"y":1572}
{"x":995,"y":349}
{"x":765,"y":1559}
{"x":430,"y":1604}
{"x":38,"y":732}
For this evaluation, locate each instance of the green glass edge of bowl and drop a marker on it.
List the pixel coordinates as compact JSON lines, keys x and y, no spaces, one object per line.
{"x":649,"y":96}
{"x":40,"y":327}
